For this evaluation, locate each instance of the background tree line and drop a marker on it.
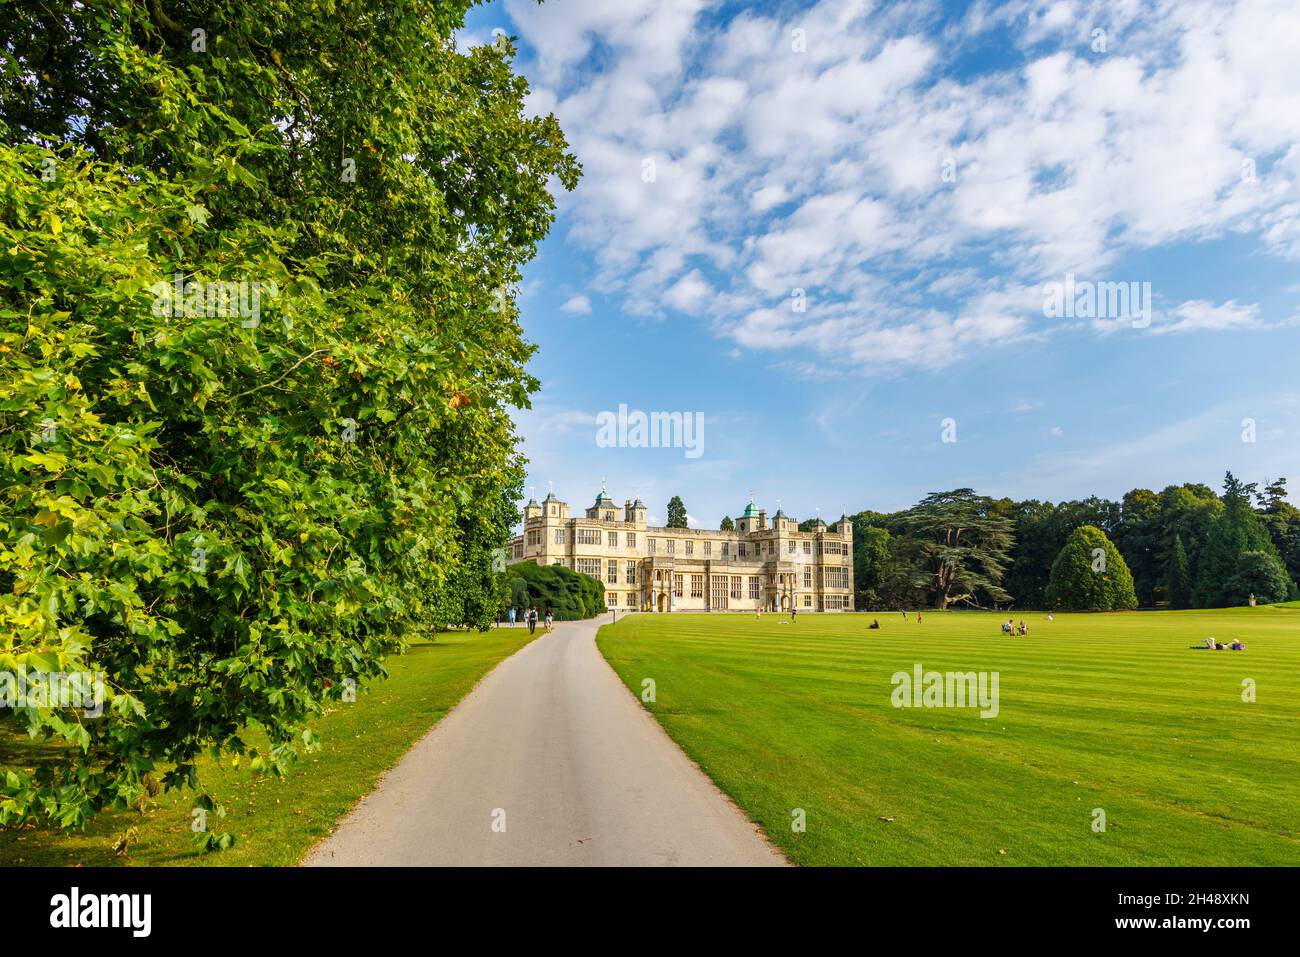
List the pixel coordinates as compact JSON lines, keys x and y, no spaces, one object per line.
{"x":1183,"y":547}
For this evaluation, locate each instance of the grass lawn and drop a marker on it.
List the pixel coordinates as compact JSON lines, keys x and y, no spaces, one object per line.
{"x":1108,"y":711}
{"x":277,"y":821}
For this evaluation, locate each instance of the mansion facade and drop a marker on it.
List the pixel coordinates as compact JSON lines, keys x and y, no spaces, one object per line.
{"x":762,"y":564}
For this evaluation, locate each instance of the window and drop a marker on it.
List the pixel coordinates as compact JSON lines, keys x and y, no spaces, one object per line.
{"x":807,"y":578}
{"x":720,"y":591}
{"x":737,"y":584}
{"x":807,"y":547}
{"x":741,"y":553}
{"x":611,"y":539}
{"x":552,"y":509}
{"x":650,"y":545}
{"x":672,"y":546}
{"x":535,"y":537}
{"x":559,"y":536}
{"x":611,"y":598}
{"x":588,"y":536}
{"x":611,"y":572}
{"x":589,"y":566}
{"x":726,"y":549}
{"x":630,"y":539}
{"x":690,"y":548}
{"x":807,"y":601}
{"x":609,"y":517}
{"x":697,"y":586}
{"x":792,"y":546}
{"x":631,"y":573}
{"x":677,"y":586}
{"x":708,"y":548}
{"x":753,"y":587}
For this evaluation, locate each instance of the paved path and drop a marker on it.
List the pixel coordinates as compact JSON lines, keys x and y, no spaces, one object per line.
{"x":583,"y":774}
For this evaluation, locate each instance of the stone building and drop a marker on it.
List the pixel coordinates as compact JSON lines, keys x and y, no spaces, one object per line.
{"x":768,"y":564}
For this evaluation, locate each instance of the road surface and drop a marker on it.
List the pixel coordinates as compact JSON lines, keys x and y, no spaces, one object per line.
{"x":550,"y":761}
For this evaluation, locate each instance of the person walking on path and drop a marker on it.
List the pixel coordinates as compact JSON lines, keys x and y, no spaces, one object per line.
{"x":532,"y":620}
{"x":512,"y":616}
{"x":550,"y":620}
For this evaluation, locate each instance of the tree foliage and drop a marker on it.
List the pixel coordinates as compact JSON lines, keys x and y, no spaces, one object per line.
{"x":1089,"y":574}
{"x":676,"y":512}
{"x":1178,"y":585}
{"x":1236,"y":532}
{"x":963,"y":545}
{"x":231,"y":513}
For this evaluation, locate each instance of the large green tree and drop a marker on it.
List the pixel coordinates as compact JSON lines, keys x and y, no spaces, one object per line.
{"x":676,"y":512}
{"x":1282,"y":519}
{"x":1040,"y":530}
{"x":1090,"y":574}
{"x":1178,"y":576}
{"x":1238,"y":530}
{"x":258,"y":350}
{"x":964,"y":546}
{"x":871,"y":548}
{"x":1139,"y":537}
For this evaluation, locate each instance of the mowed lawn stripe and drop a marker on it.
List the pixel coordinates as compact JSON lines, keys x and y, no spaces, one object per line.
{"x":1096,"y":711}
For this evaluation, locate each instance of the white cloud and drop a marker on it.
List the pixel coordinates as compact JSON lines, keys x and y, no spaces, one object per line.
{"x":578,"y":305}
{"x":826,"y":169}
{"x":1198,"y":315}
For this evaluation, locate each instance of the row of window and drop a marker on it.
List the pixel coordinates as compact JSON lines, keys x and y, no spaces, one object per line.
{"x":830,"y":577}
{"x":744,"y":549}
{"x":836,"y":577}
{"x":721,"y":593}
{"x":592,"y":536}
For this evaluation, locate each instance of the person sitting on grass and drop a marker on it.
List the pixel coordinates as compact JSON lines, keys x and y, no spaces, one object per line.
{"x":1023,"y":629}
{"x":1006,"y":627}
{"x":1237,"y":645}
{"x":874,"y":624}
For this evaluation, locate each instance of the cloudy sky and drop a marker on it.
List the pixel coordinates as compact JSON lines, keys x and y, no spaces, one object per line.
{"x":834,"y":229}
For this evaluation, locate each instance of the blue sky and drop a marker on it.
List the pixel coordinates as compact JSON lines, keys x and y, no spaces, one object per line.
{"x":922,"y":172}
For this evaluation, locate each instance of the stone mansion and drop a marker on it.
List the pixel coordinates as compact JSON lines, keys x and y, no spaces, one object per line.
{"x":761,"y":564}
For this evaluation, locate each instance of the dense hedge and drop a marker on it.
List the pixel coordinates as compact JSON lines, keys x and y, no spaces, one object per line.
{"x":569,"y":594}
